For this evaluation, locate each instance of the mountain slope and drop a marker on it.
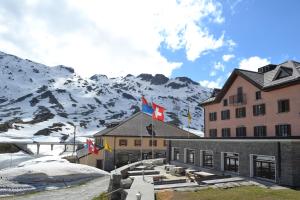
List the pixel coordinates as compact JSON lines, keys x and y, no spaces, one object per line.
{"x":37,"y":100}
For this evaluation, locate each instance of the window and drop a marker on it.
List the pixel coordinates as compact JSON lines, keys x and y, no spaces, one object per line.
{"x":137,"y":142}
{"x":190,"y":156}
{"x":241,"y":131}
{"x":212,"y":132}
{"x":99,"y":141}
{"x":259,"y":109}
{"x":154,"y":143}
{"x":283,"y":130}
{"x":283,"y":105}
{"x":225,"y":102}
{"x":264,"y":167}
{"x":213,"y":116}
{"x":165,"y":143}
{"x":225,"y":132}
{"x":231,"y":162}
{"x":240,"y":95}
{"x":260,"y":131}
{"x":176,"y":154}
{"x":240,"y":112}
{"x":258,"y":95}
{"x":122,"y":142}
{"x":225,"y":114}
{"x":207,"y":159}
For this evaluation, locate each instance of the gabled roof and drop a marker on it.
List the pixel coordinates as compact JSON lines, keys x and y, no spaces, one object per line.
{"x":136,"y":126}
{"x":264,"y":81}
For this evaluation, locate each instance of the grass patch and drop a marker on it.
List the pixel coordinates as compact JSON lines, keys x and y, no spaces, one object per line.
{"x":102,"y":196}
{"x":245,"y":193}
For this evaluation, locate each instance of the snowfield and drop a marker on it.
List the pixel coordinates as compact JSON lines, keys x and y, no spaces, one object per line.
{"x":48,"y":172}
{"x":39,"y":101}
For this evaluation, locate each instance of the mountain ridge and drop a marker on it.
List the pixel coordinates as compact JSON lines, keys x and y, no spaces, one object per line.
{"x":42,"y":101}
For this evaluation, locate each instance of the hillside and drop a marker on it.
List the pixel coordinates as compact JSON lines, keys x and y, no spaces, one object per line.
{"x":39,"y":101}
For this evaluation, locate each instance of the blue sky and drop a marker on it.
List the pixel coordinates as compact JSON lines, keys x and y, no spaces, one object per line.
{"x":263,"y":28}
{"x":201,"y":39}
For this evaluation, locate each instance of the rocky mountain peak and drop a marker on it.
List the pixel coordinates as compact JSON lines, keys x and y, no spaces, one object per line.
{"x":38,"y":100}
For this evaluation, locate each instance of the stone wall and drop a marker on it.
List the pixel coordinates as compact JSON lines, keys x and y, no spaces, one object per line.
{"x":286,"y":153}
{"x":112,"y":158}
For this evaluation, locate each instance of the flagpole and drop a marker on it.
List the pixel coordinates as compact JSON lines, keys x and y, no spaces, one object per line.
{"x":152,"y":126}
{"x":141,"y":131}
{"x":152,"y":138}
{"x":188,"y":121}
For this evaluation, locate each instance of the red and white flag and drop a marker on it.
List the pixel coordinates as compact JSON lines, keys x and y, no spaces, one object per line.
{"x":158,"y":112}
{"x":92,"y":147}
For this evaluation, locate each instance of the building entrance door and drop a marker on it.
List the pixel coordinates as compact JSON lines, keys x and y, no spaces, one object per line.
{"x":99,"y":164}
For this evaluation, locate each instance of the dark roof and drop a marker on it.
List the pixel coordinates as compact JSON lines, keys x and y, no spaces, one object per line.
{"x":264,"y":81}
{"x":136,"y":125}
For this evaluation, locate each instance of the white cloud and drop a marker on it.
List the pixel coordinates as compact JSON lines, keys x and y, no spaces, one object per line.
{"x":228,"y":57}
{"x":219,"y":66}
{"x":109,"y":37}
{"x":212,"y":84}
{"x":253,"y":63}
{"x":213,"y":73}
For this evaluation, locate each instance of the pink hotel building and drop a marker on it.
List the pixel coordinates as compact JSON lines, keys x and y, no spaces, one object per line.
{"x":256,"y":104}
{"x":252,"y":127}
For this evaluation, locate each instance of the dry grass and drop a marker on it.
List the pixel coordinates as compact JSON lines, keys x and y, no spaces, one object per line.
{"x":244,"y":193}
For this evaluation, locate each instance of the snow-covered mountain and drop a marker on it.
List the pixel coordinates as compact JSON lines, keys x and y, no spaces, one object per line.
{"x":41,"y":101}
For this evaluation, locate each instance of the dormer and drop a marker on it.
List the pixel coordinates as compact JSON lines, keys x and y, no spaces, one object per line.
{"x":283,"y":72}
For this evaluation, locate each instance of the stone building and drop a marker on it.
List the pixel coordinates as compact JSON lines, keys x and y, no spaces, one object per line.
{"x":132,"y":140}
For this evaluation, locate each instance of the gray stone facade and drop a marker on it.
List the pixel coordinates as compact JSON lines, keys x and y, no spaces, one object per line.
{"x":286,"y":153}
{"x":114,"y":158}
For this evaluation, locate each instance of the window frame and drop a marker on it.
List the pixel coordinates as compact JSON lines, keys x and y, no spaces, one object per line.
{"x":123,"y":142}
{"x":263,"y":131}
{"x":176,"y":153}
{"x":258,"y":95}
{"x":213,"y":116}
{"x":287,"y":130}
{"x":285,"y":108}
{"x":225,"y":114}
{"x":137,"y":142}
{"x":236,"y":159}
{"x":238,"y":134}
{"x":188,"y":161}
{"x":260,"y":159}
{"x":259,"y":109}
{"x":241,"y":114}
{"x":225,"y":102}
{"x":226,"y":132}
{"x":213,"y":132}
{"x":207,"y":154}
{"x":154,"y":143}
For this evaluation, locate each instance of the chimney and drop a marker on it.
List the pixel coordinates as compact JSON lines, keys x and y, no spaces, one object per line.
{"x":266,"y":68}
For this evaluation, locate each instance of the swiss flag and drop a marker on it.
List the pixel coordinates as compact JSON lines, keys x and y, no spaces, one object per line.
{"x":158,"y":112}
{"x":92,"y":147}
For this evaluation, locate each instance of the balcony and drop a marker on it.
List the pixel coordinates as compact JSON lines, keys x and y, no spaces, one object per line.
{"x":237,"y":100}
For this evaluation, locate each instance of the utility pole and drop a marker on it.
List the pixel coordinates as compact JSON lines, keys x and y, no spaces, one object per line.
{"x":74,"y":139}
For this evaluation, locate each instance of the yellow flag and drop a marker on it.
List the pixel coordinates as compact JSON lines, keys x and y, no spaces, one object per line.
{"x":106,"y":146}
{"x":189,"y":117}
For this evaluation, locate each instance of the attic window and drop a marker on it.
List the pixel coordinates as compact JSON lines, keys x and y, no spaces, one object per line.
{"x":283,"y":72}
